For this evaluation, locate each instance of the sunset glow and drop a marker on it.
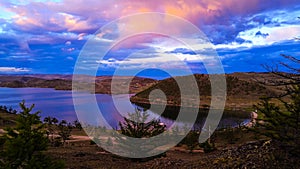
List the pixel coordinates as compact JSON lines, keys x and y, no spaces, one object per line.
{"x":46,"y":37}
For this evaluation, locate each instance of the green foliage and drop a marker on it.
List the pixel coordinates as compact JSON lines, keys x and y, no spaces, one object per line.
{"x":281,"y":121}
{"x":282,"y":124}
{"x":77,"y":124}
{"x":65,"y":130}
{"x":50,"y":123}
{"x":23,"y":146}
{"x":137,"y":127}
{"x":8,"y":110}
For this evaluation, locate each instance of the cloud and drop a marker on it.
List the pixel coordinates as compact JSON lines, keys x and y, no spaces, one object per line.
{"x":159,"y":58}
{"x":252,"y":59}
{"x":13,"y":70}
{"x":68,"y":43}
{"x":264,"y":35}
{"x":273,"y":35}
{"x":70,"y":58}
{"x":47,"y":33}
{"x":218,"y":20}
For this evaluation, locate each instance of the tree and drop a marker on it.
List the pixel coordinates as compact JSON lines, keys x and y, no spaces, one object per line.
{"x":65,"y":130}
{"x":23,"y":146}
{"x":136,"y":126}
{"x":77,"y":124}
{"x":54,"y":120}
{"x":50,"y":120}
{"x":281,"y":121}
{"x":50,"y":126}
{"x":10,"y":110}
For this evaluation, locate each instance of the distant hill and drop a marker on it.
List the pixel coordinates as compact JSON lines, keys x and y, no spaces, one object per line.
{"x":121,"y":84}
{"x":31,"y":81}
{"x":243,"y":90}
{"x":64,"y":82}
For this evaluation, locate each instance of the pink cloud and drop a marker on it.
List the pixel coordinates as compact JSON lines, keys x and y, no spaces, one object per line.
{"x":136,"y":41}
{"x":85,"y":15}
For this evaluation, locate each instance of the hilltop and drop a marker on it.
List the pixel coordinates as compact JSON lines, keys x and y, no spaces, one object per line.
{"x":243,"y":90}
{"x":64,"y":82}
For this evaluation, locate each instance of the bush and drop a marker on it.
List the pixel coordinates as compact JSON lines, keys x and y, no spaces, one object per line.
{"x":191,"y":140}
{"x":65,"y":130}
{"x":208,"y":146}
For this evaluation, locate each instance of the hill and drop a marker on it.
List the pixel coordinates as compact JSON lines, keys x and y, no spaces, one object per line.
{"x":242,"y":91}
{"x":64,"y":82}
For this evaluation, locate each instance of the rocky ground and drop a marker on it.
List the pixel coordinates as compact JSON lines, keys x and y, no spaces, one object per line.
{"x":257,"y":154}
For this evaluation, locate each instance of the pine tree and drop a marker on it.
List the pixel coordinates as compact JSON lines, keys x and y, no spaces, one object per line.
{"x":136,"y":126}
{"x":23,"y":145}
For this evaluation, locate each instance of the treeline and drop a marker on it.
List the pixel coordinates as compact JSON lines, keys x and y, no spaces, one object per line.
{"x":8,"y":110}
{"x":59,"y":131}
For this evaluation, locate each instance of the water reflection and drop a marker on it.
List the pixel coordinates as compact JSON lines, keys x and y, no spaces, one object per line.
{"x":59,"y":104}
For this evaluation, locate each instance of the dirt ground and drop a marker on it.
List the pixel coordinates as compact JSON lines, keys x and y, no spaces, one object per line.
{"x":245,"y":152}
{"x":82,"y":155}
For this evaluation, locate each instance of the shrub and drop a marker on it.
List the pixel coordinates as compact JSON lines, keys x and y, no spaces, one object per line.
{"x":208,"y":146}
{"x":191,"y":140}
{"x":65,"y":130}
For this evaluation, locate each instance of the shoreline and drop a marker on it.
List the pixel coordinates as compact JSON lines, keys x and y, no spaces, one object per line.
{"x":171,"y":111}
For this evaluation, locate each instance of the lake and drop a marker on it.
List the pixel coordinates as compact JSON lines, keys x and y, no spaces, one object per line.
{"x":59,"y":104}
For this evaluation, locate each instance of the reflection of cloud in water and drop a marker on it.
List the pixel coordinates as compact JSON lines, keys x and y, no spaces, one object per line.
{"x":59,"y":104}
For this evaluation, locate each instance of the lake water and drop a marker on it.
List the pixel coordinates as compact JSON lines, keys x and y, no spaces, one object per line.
{"x":59,"y":104}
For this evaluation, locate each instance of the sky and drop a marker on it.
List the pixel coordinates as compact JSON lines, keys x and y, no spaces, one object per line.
{"x":49,"y":37}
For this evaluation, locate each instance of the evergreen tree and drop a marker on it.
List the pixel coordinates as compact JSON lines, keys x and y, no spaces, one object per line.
{"x":281,"y":121}
{"x":136,"y":126}
{"x":23,"y":146}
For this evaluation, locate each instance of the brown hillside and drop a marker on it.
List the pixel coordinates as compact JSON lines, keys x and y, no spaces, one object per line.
{"x":240,"y":93}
